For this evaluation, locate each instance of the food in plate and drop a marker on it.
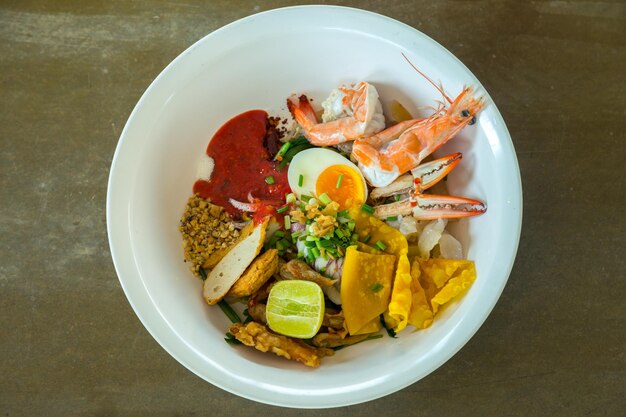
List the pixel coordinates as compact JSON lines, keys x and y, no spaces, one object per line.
{"x":332,"y":232}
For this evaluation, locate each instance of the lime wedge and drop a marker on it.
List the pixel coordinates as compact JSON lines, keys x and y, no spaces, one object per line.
{"x":295,"y":308}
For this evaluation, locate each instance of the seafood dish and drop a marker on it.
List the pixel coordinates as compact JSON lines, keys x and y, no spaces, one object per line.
{"x":329,"y":228}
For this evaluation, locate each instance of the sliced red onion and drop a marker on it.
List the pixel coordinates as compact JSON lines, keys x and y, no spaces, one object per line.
{"x":242,"y":206}
{"x":241,"y":225}
{"x":297,"y":227}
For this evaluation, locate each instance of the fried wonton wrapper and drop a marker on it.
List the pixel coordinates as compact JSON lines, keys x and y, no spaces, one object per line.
{"x":365,"y":287}
{"x":401,"y":296}
{"x":443,"y":279}
{"x":421,"y":315}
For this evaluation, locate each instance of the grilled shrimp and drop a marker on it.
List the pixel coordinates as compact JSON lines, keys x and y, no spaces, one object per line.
{"x":385,"y":156}
{"x":351,"y":112}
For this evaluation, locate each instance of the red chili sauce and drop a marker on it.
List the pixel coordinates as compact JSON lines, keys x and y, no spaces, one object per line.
{"x":242,"y":165}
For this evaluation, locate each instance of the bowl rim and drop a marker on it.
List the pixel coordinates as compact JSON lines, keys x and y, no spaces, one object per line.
{"x":137,"y":294}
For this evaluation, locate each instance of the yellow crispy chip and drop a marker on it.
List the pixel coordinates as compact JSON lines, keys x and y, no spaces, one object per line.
{"x":365,"y":288}
{"x":401,"y":296}
{"x":444,"y":279}
{"x":396,"y":244}
{"x":421,"y":315}
{"x":456,"y":285}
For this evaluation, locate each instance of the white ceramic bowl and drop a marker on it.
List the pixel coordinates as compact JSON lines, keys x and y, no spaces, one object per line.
{"x":257,"y":62}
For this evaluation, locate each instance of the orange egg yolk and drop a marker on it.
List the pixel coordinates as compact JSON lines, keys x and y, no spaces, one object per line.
{"x":346,"y":191}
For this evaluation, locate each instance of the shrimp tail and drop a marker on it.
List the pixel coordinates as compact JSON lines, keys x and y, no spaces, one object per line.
{"x":302,"y":111}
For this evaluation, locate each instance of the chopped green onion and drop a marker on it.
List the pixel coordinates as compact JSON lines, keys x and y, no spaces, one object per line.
{"x":269,"y":180}
{"x":367,"y":238}
{"x":305,"y":198}
{"x":228,"y":310}
{"x":376,"y":287}
{"x":354,"y":238}
{"x":310,"y":257}
{"x":311,"y":238}
{"x":370,"y":337}
{"x":397,"y":197}
{"x":282,"y":150}
{"x":325,"y":199}
{"x":339,"y":180}
{"x":392,"y":218}
{"x":231,"y":339}
{"x":279,"y":233}
{"x":309,"y":243}
{"x":291,"y":198}
{"x":351,"y":225}
{"x":287,"y":222}
{"x":283,"y":244}
{"x":316,"y":252}
{"x":389,"y":330}
{"x":339,"y":233}
{"x":300,"y":180}
{"x":296,"y":235}
{"x":380,"y":245}
{"x":367,"y":209}
{"x":282,"y":209}
{"x":343,"y":213}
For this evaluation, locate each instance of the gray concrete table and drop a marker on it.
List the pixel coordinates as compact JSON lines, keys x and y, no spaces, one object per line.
{"x":70,"y":344}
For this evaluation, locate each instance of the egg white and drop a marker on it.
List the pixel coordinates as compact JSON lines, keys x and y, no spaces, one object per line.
{"x":310,"y":163}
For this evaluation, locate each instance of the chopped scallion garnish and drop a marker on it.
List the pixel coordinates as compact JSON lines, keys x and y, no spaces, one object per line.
{"x":282,"y":209}
{"x":367,"y":209}
{"x":269,"y":180}
{"x":287,"y":222}
{"x":300,"y":180}
{"x":392,"y":218}
{"x":315,"y":252}
{"x":376,"y":287}
{"x":380,"y":245}
{"x":339,"y":180}
{"x":228,"y":310}
{"x":324,"y":199}
{"x":343,"y":213}
{"x":282,"y":151}
{"x":291,"y":198}
{"x":278,"y":233}
{"x":367,"y":238}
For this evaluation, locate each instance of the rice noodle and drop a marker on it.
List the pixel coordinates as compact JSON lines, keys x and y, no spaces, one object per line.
{"x":430,"y":237}
{"x":449,"y":247}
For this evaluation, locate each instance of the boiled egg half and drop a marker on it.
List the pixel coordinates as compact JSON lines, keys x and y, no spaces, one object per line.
{"x":316,"y":171}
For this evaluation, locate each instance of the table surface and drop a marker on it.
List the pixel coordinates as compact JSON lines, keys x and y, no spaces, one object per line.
{"x":70,"y":343}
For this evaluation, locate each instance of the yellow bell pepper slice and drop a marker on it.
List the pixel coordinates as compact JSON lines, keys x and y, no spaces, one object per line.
{"x":365,"y":288}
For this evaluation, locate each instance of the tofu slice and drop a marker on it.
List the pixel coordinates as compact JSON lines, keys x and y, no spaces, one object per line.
{"x":232,"y":265}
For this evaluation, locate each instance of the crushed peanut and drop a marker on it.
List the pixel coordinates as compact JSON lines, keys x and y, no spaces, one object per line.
{"x":206,"y":228}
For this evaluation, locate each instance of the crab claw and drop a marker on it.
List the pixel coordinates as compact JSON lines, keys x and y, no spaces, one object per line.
{"x":423,"y":176}
{"x":428,"y":207}
{"x":432,"y":172}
